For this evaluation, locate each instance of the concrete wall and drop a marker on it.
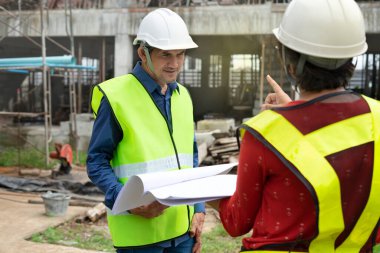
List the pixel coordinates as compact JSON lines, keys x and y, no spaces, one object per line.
{"x":210,"y":20}
{"x":122,"y":23}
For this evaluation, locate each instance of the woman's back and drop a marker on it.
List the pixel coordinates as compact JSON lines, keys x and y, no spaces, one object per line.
{"x":275,"y":203}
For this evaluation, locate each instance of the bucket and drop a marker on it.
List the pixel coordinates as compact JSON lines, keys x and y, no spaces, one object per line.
{"x":55,"y":203}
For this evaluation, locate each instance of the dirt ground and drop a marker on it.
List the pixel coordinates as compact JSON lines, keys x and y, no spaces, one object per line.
{"x":211,"y":220}
{"x":86,"y":229}
{"x":20,"y":219}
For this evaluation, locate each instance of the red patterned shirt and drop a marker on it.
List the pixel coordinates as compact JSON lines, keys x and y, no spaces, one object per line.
{"x":270,"y":199}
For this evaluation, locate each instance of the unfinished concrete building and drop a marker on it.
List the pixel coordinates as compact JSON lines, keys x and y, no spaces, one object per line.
{"x":224,"y":75}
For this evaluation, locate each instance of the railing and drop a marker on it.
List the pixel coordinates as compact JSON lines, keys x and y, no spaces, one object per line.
{"x":186,"y":3}
{"x":13,"y":5}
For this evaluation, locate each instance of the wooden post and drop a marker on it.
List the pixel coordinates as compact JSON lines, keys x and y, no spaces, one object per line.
{"x":262,"y":67}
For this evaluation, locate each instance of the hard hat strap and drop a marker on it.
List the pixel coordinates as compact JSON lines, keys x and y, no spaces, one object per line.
{"x":147,"y":54}
{"x":327,"y":63}
{"x":290,"y":78}
{"x":300,"y":64}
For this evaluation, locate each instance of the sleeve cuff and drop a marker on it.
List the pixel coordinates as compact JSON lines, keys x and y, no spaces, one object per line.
{"x":199,"y":208}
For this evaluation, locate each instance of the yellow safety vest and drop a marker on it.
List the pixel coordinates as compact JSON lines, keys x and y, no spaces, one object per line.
{"x":306,"y":158}
{"x":148,"y":145}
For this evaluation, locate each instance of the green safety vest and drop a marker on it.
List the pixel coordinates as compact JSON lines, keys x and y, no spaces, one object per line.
{"x":148,"y":145}
{"x":306,"y":156}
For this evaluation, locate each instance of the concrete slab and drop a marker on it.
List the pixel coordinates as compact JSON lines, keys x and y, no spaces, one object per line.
{"x":224,"y":125}
{"x":19,"y":220}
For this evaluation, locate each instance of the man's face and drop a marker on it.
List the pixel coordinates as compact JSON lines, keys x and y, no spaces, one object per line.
{"x":167,"y":64}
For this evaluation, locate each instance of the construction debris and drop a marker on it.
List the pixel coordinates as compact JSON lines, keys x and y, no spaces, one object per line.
{"x":71,"y":203}
{"x":218,"y":134}
{"x":97,"y":212}
{"x":223,"y":125}
{"x":224,"y":149}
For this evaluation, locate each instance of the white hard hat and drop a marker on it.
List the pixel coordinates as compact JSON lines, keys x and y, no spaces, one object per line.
{"x":331,"y":29}
{"x":164,"y":29}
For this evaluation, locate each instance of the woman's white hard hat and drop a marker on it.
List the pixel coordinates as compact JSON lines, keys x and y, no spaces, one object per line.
{"x":331,"y":29}
{"x":164,"y":29}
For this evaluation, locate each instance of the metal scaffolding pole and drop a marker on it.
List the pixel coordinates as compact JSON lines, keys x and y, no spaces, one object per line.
{"x":46,"y":86}
{"x":73,"y":110}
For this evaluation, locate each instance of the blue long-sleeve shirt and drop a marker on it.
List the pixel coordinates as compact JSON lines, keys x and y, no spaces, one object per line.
{"x":107,"y":134}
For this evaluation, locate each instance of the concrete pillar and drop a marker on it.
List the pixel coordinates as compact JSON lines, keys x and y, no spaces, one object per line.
{"x":123,"y":54}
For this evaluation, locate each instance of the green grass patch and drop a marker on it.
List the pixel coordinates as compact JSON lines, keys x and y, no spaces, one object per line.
{"x":96,"y":237}
{"x":24,"y":157}
{"x":82,"y":157}
{"x":82,"y":236}
{"x":219,"y":241}
{"x":33,"y":158}
{"x":50,"y":235}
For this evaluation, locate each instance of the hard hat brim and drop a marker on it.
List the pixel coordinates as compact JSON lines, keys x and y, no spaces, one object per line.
{"x":189,"y":45}
{"x":318,"y":50}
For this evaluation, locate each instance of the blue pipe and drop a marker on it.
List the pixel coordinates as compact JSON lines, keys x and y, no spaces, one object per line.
{"x":66,"y":61}
{"x":37,"y":61}
{"x":18,"y":71}
{"x":72,"y":66}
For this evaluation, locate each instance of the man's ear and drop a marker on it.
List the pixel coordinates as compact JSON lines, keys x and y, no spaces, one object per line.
{"x":141,"y":53}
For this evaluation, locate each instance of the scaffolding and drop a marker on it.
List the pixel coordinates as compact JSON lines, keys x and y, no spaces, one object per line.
{"x":48,"y":66}
{"x":57,"y":65}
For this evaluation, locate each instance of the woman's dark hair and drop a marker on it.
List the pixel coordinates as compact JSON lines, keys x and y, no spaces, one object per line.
{"x":315,"y":78}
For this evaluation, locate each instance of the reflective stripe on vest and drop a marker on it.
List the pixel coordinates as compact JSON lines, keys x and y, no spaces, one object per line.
{"x":163,"y":164}
{"x":148,"y":144}
{"x":370,"y":216}
{"x":271,"y":251}
{"x":307,"y":153}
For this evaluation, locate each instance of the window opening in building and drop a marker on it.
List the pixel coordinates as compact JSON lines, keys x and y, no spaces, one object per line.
{"x":366,"y":78}
{"x":215,"y":71}
{"x":244,"y":78}
{"x":190,"y":75}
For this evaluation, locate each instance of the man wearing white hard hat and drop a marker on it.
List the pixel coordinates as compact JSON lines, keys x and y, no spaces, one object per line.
{"x":144,"y":123}
{"x":309,"y":170}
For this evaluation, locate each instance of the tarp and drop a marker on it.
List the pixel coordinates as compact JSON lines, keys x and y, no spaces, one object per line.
{"x":43,"y":185}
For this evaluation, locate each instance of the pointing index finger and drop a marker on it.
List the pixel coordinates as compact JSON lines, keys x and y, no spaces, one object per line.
{"x":273,"y":84}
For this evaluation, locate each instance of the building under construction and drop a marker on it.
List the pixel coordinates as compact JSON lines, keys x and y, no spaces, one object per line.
{"x":225,"y":75}
{"x":236,"y":48}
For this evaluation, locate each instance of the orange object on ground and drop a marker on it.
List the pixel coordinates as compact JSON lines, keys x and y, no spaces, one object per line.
{"x":64,"y":153}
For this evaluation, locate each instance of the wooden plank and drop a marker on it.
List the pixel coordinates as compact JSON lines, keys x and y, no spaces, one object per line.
{"x":220,"y":151}
{"x":96,"y":212}
{"x":222,"y":146}
{"x":71,"y":203}
{"x":226,"y":140}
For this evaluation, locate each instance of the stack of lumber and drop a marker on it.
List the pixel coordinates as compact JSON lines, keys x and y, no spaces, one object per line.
{"x":223,"y":150}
